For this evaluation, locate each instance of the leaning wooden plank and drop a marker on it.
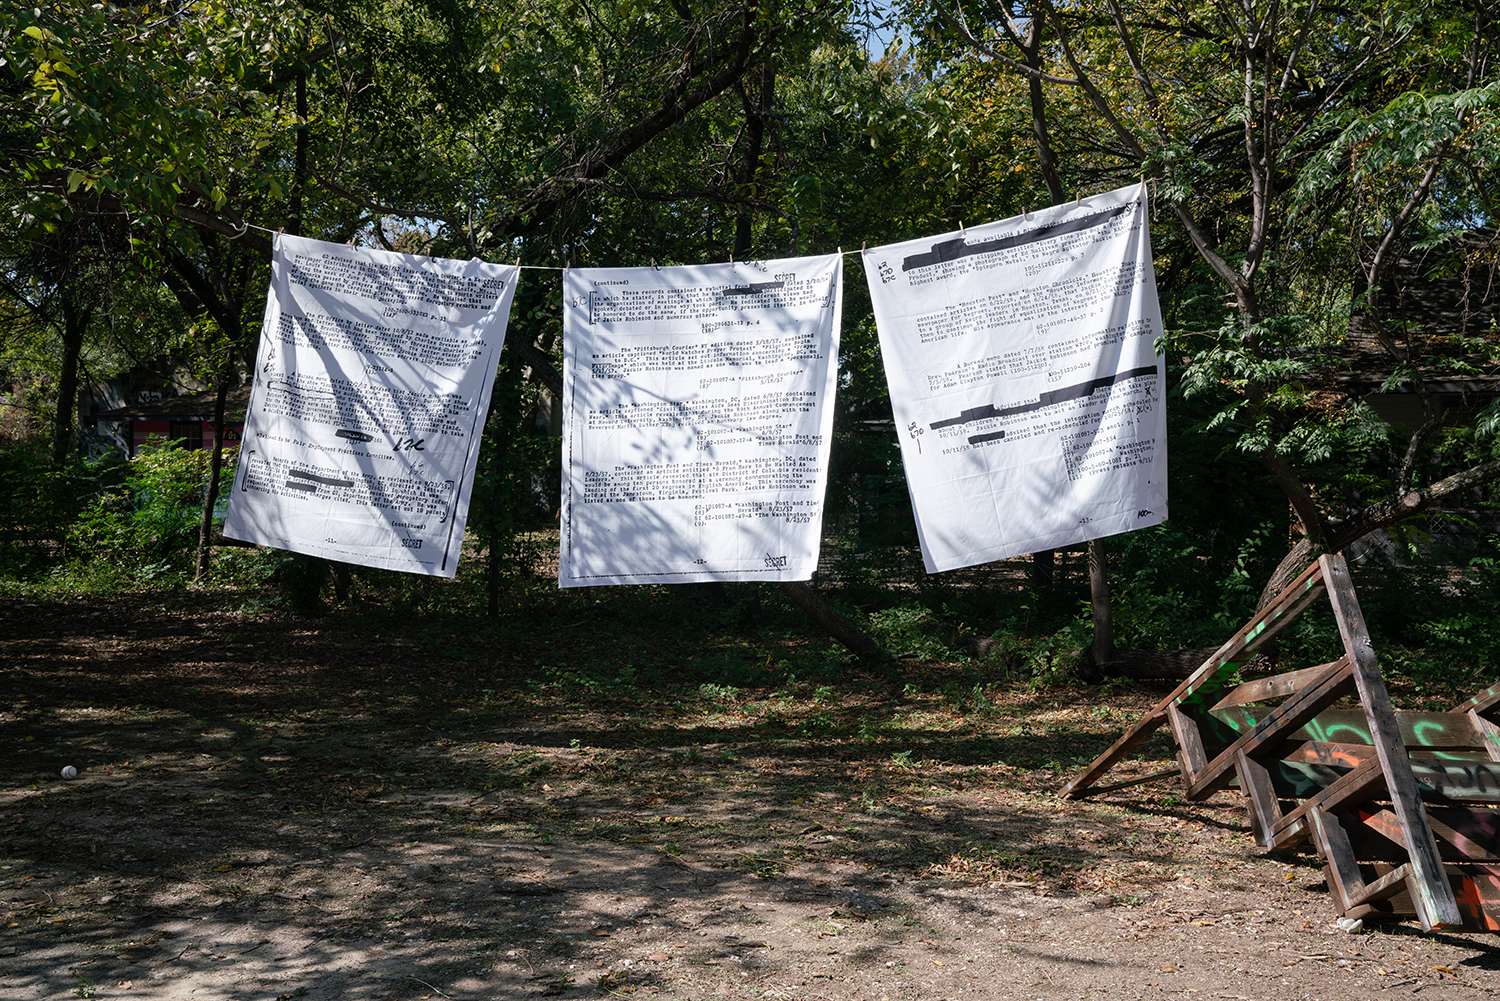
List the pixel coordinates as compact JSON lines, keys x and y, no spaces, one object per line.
{"x":1136,"y":735}
{"x":1139,"y":780}
{"x":1479,"y":892}
{"x":1319,"y":752}
{"x":1394,"y":882}
{"x":1350,"y":755}
{"x":1394,"y":907}
{"x":1447,"y":731}
{"x":1348,"y":791}
{"x":1456,"y":781}
{"x":1275,"y":729}
{"x":1190,"y":754}
{"x":1438,"y":782}
{"x":1488,"y":731}
{"x":1430,"y":890}
{"x":1299,"y":780}
{"x":1463,"y":835}
{"x":1272,"y":687}
{"x":1474,"y":888}
{"x":1473,"y":835}
{"x":1483,"y":702}
{"x":1344,"y":879}
{"x":1374,"y":834}
{"x":1210,"y":679}
{"x":1207,"y":679}
{"x":1260,"y":797}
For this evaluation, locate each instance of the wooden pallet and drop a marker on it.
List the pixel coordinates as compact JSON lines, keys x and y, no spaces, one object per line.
{"x":1394,"y":802}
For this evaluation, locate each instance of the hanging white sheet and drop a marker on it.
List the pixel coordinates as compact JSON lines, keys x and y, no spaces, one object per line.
{"x":372,"y":383}
{"x":697,"y":420}
{"x":1024,"y":379}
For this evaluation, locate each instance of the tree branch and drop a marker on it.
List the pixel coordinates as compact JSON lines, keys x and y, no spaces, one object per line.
{"x":541,"y":365}
{"x":365,"y":203}
{"x":214,"y":224}
{"x":1308,"y":516}
{"x":964,"y":34}
{"x":1393,"y":509}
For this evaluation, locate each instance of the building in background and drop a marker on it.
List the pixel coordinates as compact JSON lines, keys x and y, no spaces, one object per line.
{"x":188,"y":419}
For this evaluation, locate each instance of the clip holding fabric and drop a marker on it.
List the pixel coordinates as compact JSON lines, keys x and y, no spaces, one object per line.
{"x":862,"y":248}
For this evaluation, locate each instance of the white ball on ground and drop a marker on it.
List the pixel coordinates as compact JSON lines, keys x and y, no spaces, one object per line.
{"x":70,"y":772}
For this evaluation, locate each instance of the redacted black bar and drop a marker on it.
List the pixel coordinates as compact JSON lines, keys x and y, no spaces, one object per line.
{"x":952,"y":250}
{"x":327,"y":481}
{"x":1048,"y":399}
{"x":754,"y":288}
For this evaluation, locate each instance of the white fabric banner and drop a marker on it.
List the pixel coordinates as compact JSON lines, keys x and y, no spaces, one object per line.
{"x":372,"y":383}
{"x":697,"y":416}
{"x":1025,"y":381}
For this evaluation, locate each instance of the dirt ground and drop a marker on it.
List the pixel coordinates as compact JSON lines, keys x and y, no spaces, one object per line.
{"x":271,"y":809}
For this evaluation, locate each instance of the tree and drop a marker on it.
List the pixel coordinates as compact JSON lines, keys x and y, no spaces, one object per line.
{"x":55,"y":278}
{"x":1274,"y":131}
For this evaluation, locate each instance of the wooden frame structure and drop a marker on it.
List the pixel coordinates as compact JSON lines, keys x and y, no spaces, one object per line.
{"x":1387,"y":798}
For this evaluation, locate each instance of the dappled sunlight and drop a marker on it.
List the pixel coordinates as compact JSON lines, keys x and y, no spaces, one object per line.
{"x":375,"y":811}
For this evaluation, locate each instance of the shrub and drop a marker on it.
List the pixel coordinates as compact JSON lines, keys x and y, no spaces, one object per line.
{"x":152,"y":518}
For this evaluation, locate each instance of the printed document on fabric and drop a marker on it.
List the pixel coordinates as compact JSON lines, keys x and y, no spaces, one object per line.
{"x":697,"y":415}
{"x":372,"y":383}
{"x":1025,"y":381}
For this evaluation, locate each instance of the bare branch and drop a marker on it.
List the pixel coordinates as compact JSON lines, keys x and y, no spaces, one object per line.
{"x":1138,"y":67}
{"x":977,"y":45}
{"x":373,"y":206}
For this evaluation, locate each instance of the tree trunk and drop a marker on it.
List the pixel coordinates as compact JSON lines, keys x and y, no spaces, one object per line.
{"x":343,"y":576}
{"x":1297,"y":559}
{"x":1043,"y":567}
{"x":801,"y":593}
{"x":64,"y":420}
{"x":1031,"y":49}
{"x":750,"y":173}
{"x":215,"y":466}
{"x":502,"y":447}
{"x":1104,"y":628}
{"x":1042,"y":563}
{"x":830,"y":621}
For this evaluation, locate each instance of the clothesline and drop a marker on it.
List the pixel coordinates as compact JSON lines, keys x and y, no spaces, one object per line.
{"x":528,"y":267}
{"x":1025,"y":214}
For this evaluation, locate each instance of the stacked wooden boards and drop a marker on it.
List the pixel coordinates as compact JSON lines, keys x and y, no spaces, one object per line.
{"x":1404,"y":807}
